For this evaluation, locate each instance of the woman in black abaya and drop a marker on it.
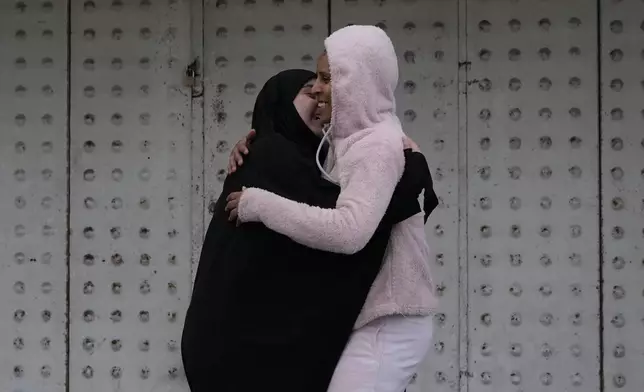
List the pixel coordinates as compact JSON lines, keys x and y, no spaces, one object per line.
{"x":267,"y":313}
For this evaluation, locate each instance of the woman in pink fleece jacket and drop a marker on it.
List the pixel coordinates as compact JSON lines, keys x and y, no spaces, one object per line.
{"x":393,"y":332}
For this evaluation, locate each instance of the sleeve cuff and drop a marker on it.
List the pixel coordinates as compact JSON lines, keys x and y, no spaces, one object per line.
{"x":249,"y":205}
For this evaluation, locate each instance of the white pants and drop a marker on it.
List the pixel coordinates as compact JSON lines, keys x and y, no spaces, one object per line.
{"x":383,"y":355}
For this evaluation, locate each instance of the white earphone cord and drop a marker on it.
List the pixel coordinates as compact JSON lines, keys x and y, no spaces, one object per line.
{"x":326,"y":175}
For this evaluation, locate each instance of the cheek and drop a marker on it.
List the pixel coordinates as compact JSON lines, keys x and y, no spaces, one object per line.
{"x":327,"y":91}
{"x":304,"y":105}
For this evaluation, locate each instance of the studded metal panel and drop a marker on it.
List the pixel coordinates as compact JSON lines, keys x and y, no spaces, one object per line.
{"x":130,"y":194}
{"x":531,"y":119}
{"x":246,"y":42}
{"x":533,"y":211}
{"x":33,"y":183}
{"x":425,"y":36}
{"x":622,"y":56}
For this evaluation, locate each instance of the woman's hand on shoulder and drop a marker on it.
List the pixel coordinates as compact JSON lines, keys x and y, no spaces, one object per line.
{"x":236,"y":158}
{"x":410,"y":144}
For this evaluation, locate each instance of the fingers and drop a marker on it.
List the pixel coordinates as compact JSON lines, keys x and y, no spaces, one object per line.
{"x":232,"y":161}
{"x":233,"y":216}
{"x":232,"y":200}
{"x":232,"y":165}
{"x":232,"y":206}
{"x":232,"y":209}
{"x":236,"y":158}
{"x":242,"y":146}
{"x":410,"y":144}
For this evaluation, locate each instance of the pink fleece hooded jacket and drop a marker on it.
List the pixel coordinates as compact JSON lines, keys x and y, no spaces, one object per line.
{"x":367,"y":161}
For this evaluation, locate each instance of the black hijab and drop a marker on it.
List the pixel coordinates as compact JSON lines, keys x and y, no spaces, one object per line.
{"x":262,"y":304}
{"x":274,"y":111}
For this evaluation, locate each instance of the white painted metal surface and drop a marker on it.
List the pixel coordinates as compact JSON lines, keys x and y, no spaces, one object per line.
{"x":501,"y":95}
{"x":532,"y":185}
{"x":33,"y":196}
{"x":622,"y":117}
{"x":130,"y":198}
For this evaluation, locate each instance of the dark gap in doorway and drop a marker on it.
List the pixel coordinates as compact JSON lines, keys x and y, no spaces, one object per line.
{"x":328,"y":17}
{"x":600,"y":195}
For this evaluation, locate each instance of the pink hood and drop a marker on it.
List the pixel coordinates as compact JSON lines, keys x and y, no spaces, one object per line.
{"x":364,"y":75}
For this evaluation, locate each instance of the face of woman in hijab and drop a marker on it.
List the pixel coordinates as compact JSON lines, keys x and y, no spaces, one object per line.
{"x":306,"y":105}
{"x":322,"y":88}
